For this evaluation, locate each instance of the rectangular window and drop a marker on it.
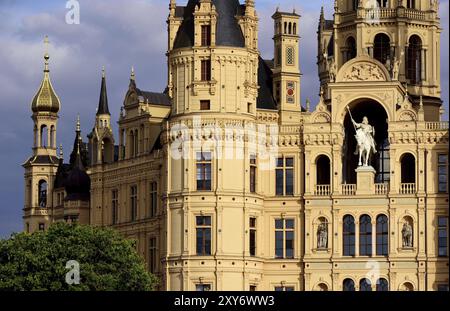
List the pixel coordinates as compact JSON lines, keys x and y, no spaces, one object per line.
{"x":205,"y":105}
{"x":284,"y":288}
{"x":206,"y":35}
{"x":203,"y":226}
{"x":153,"y":199}
{"x":442,"y":236}
{"x":253,"y":169}
{"x":278,"y":55}
{"x":285,"y":176}
{"x":204,"y":171}
{"x":115,"y":206}
{"x":252,"y":243}
{"x":41,"y":226}
{"x":152,"y":255}
{"x":206,"y":70}
{"x":133,"y":203}
{"x":284,"y":238}
{"x":203,"y":287}
{"x":442,"y":173}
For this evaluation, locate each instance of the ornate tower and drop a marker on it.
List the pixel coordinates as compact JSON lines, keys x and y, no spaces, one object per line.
{"x":41,"y":167}
{"x":101,"y":139}
{"x":286,"y":72}
{"x":404,"y":36}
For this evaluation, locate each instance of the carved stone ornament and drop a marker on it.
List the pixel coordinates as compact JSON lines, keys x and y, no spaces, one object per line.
{"x":364,"y":72}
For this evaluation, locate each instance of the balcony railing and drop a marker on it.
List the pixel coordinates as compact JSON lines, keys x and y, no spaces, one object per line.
{"x":348,"y":189}
{"x":322,"y":190}
{"x":415,"y":14}
{"x":407,"y":188}
{"x":381,"y":188}
{"x":436,"y":126}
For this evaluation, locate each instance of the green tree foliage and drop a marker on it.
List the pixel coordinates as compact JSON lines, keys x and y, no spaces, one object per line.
{"x":107,"y":261}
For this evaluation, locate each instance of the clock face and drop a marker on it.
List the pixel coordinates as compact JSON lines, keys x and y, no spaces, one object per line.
{"x":290,"y":92}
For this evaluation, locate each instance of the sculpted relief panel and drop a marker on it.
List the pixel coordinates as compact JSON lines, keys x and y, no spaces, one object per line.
{"x":364,"y":72}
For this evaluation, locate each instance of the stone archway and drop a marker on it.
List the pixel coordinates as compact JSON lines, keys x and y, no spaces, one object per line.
{"x":378,"y":118}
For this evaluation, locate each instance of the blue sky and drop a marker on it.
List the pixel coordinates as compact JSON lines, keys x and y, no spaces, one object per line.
{"x":116,"y":34}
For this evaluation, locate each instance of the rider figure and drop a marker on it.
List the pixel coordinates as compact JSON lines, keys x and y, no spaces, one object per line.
{"x":368,"y":131}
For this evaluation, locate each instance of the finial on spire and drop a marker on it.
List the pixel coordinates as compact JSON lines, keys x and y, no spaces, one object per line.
{"x":421,"y":102}
{"x":78,"y":123}
{"x":133,"y":77}
{"x":308,"y":105}
{"x":103,"y":72}
{"x":61,"y":153}
{"x":46,"y":55}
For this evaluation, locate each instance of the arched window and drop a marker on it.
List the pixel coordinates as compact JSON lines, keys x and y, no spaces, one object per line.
{"x":407,"y":287}
{"x":411,"y":4}
{"x":323,"y":170}
{"x":290,"y":28}
{"x":365,"y":235}
{"x":285,"y":27}
{"x":44,"y":136}
{"x":382,"y":235}
{"x":348,"y":285}
{"x":382,"y":48}
{"x":52,"y":142}
{"x":408,"y":167}
{"x":365,"y":285}
{"x":382,"y":3}
{"x":43,"y":187}
{"x":294,"y":29}
{"x":349,"y":236}
{"x":382,"y":285}
{"x":414,"y":60}
{"x":350,"y":49}
{"x":124,"y":143}
{"x":322,"y":287}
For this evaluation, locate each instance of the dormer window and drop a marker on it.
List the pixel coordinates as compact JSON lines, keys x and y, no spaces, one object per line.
{"x":206,"y":35}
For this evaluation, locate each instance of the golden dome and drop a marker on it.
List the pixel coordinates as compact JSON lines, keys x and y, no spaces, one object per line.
{"x":46,"y":99}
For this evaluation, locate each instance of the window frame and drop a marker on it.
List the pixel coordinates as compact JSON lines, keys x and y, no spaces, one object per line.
{"x":253,"y":222}
{"x":115,"y":206}
{"x":285,"y":230}
{"x":444,"y":165}
{"x":205,"y":39}
{"x":204,"y":164}
{"x":152,"y":255}
{"x":348,"y":236}
{"x":253,"y":173}
{"x":382,"y":236}
{"x":284,"y":168}
{"x":205,"y":71}
{"x":205,"y":228}
{"x":153,"y":199}
{"x":365,"y":235}
{"x":134,"y":202}
{"x":442,"y":242}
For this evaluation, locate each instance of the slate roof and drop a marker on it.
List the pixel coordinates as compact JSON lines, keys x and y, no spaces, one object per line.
{"x":228,"y":30}
{"x":265,"y":93}
{"x":103,"y":102}
{"x":153,"y":98}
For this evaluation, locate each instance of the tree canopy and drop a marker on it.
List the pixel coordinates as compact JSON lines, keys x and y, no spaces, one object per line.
{"x":107,"y":261}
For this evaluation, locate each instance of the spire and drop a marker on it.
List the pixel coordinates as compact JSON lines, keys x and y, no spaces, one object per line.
{"x":103,"y":102}
{"x":46,"y":99}
{"x":78,"y":146}
{"x":132,"y":79}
